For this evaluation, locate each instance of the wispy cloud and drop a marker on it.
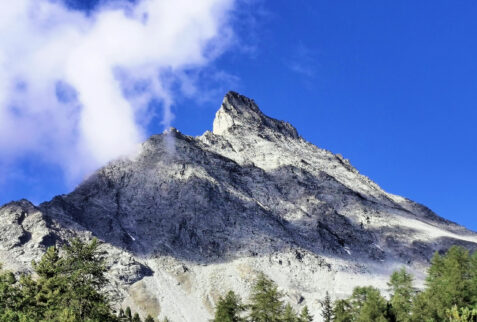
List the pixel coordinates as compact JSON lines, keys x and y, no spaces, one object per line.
{"x":303,"y":61}
{"x":75,"y":88}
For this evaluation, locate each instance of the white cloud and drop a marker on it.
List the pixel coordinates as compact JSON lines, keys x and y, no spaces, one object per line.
{"x":69,"y":88}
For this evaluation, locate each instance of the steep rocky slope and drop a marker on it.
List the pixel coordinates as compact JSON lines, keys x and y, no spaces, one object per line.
{"x":191,"y":217}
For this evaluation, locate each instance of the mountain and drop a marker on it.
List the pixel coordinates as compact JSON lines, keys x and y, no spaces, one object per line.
{"x":189,"y":218}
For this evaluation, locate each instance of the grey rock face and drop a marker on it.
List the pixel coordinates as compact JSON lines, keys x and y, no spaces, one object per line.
{"x":181,"y":223}
{"x":24,"y":234}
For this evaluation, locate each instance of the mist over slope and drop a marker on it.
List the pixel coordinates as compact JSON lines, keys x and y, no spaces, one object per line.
{"x":190,"y":217}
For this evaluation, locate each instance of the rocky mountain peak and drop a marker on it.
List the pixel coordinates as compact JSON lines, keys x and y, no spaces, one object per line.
{"x":239,"y":113}
{"x":191,"y":216}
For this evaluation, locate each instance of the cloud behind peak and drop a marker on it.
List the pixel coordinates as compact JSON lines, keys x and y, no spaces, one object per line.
{"x":75,"y":88}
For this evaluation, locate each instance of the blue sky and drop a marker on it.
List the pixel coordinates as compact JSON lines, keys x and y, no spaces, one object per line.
{"x":391,"y":85}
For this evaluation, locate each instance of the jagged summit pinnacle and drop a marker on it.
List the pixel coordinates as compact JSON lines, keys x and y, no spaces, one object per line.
{"x":239,"y":113}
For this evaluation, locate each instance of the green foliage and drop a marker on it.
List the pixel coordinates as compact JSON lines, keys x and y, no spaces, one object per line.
{"x":136,"y":318}
{"x":50,"y":290}
{"x":128,"y":314}
{"x":473,"y":278}
{"x":421,"y":310}
{"x":450,"y":282}
{"x":266,"y":301}
{"x":464,"y":314}
{"x":450,"y":294}
{"x":74,"y":281}
{"x":9,"y":294}
{"x":84,"y":269}
{"x":327,"y":308}
{"x":305,"y":315}
{"x":68,"y":288}
{"x":342,"y":311}
{"x":289,"y":314}
{"x":229,"y":309}
{"x":367,"y":304}
{"x":266,"y":305}
{"x":149,"y":318}
{"x":402,"y":295}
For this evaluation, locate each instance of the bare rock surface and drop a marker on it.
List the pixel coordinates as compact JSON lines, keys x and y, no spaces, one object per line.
{"x":189,"y":218}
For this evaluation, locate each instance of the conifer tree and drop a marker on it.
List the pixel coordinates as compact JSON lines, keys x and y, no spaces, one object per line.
{"x":289,"y":314}
{"x":121,"y":314}
{"x":67,"y":315}
{"x":473,"y":279}
{"x":136,"y":318}
{"x":374,"y":307}
{"x":449,"y":282}
{"x":72,"y":282}
{"x":365,"y":304}
{"x":305,"y":315}
{"x":10,"y":315}
{"x":67,"y":288}
{"x":128,"y":314}
{"x":326,"y":308}
{"x":461,"y":315}
{"x":421,"y":311}
{"x":84,"y":269}
{"x":9,"y":293}
{"x":342,"y":311}
{"x":52,"y":285}
{"x":402,"y":294}
{"x":266,"y":301}
{"x":29,"y":289}
{"x":229,"y":309}
{"x":149,"y":318}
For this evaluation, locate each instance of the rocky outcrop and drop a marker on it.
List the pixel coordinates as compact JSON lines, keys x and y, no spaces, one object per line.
{"x":190,"y":217}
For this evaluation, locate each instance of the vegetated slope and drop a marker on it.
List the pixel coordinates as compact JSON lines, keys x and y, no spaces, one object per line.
{"x":190,"y":217}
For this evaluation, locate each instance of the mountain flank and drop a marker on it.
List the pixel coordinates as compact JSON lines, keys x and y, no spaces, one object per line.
{"x":188,"y":217}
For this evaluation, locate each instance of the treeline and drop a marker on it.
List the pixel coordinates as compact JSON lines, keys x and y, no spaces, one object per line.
{"x":66,"y":288}
{"x":450,"y":294}
{"x":265,"y":305}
